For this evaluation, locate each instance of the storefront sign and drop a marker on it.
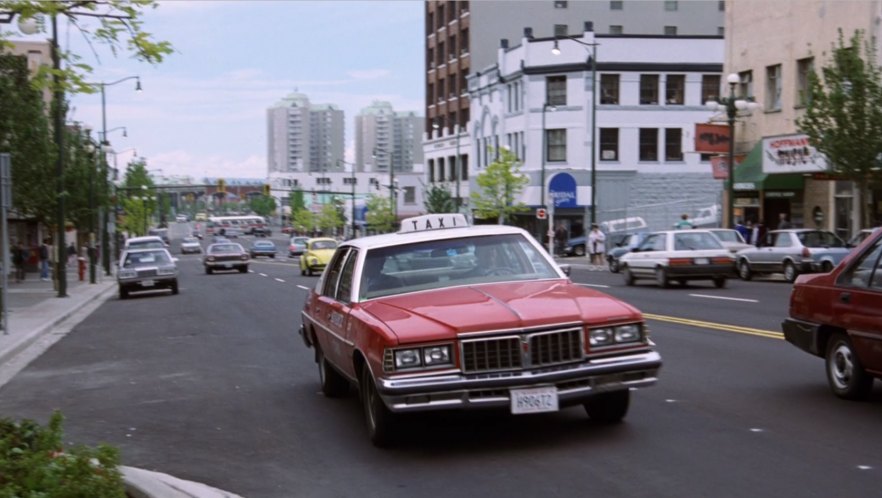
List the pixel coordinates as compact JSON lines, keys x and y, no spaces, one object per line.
{"x":711,"y":138}
{"x":720,"y":166}
{"x":562,"y":190}
{"x":779,"y":194}
{"x":791,"y":154}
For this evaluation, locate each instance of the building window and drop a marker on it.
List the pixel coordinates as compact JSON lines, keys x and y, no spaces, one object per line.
{"x":670,"y":31}
{"x":721,"y":5}
{"x":440,"y":54}
{"x":616,"y":5}
{"x":464,"y":166}
{"x":556,"y":90}
{"x":710,"y":88}
{"x":675,"y":88}
{"x":441,"y":92}
{"x":609,"y":88}
{"x":451,"y":46}
{"x":804,"y":68}
{"x":440,"y":169}
{"x":560,"y":30}
{"x":556,"y":145}
{"x":409,"y":195}
{"x":431,"y":169}
{"x":609,"y":144}
{"x":648,"y":89}
{"x":721,"y":31}
{"x":430,"y":22}
{"x":673,"y":144}
{"x":773,"y":88}
{"x":649,"y":144}
{"x":745,"y":84}
{"x":616,"y":29}
{"x":560,"y":4}
{"x":441,"y":19}
{"x":671,"y":5}
{"x":451,"y":163}
{"x":464,"y":41}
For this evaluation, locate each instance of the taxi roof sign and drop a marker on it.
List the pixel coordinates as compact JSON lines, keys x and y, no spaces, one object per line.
{"x":433,"y":222}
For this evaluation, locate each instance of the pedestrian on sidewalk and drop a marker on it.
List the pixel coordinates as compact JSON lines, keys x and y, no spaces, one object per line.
{"x":45,"y":251}
{"x":560,"y":239}
{"x":72,"y":254}
{"x":18,"y":260}
{"x":596,"y":245}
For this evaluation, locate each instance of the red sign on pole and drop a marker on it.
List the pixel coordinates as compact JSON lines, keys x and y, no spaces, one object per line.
{"x":711,"y":138}
{"x":541,"y":214}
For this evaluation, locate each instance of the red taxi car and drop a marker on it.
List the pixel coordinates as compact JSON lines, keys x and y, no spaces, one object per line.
{"x":838,"y":316}
{"x":447,"y":316}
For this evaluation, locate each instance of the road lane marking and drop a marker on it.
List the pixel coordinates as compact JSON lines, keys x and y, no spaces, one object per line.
{"x":601,"y":286}
{"x":280,"y":280}
{"x":303,"y":287}
{"x":716,"y":326}
{"x":263,"y":274}
{"x":724,"y":298}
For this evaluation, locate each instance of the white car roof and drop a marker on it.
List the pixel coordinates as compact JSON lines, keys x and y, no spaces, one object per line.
{"x":433,"y":233}
{"x":145,"y":238}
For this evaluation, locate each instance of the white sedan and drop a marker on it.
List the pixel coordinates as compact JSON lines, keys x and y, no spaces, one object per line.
{"x":679,"y":255}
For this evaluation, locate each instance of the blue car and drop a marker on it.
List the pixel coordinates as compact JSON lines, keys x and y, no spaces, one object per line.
{"x":621,"y":245}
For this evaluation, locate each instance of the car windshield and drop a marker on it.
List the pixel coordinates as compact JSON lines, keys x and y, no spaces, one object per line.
{"x":190,"y":240}
{"x":450,"y":262}
{"x":323,"y":244}
{"x":225,"y":248}
{"x":299,"y":240}
{"x":146,"y":258}
{"x":819,"y":239}
{"x":146,"y":244}
{"x":693,"y":241}
{"x":264,"y":244}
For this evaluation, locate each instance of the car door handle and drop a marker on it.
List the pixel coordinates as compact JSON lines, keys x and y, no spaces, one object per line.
{"x":845,"y":297}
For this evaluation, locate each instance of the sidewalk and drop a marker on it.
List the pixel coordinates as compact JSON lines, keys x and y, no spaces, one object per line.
{"x":34,"y":310}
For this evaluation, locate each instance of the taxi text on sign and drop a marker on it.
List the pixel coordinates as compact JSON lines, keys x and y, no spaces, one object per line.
{"x":433,"y":222}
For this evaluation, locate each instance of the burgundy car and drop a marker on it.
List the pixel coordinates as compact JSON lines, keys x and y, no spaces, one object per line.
{"x":838,"y":316}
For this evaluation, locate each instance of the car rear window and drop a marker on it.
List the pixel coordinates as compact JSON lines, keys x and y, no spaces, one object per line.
{"x":820,"y":239}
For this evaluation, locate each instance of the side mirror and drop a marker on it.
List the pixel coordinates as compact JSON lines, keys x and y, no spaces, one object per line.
{"x":566,"y":269}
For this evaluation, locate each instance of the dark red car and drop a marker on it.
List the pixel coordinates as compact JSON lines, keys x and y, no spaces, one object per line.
{"x":838,"y":316}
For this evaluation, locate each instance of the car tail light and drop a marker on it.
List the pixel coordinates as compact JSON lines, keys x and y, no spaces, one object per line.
{"x":680,"y":261}
{"x":806,"y":253}
{"x":721,"y":261}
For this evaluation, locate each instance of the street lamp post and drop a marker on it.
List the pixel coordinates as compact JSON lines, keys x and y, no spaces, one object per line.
{"x":556,"y":51}
{"x":457,"y":168}
{"x":392,"y":196}
{"x":731,"y":105}
{"x":545,"y":106}
{"x":352,"y":182}
{"x":105,"y":247}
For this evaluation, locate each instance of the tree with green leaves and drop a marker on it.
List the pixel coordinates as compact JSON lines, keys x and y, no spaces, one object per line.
{"x":303,"y":220}
{"x":329,"y":219}
{"x":262,"y":205}
{"x":138,"y":195}
{"x":438,"y":199}
{"x":379,"y":217}
{"x":843,"y":118}
{"x":499,"y":185}
{"x":81,"y":181}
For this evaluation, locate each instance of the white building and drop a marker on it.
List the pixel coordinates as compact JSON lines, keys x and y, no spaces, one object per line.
{"x":539,"y":105}
{"x":385,"y":138}
{"x":304,"y":137}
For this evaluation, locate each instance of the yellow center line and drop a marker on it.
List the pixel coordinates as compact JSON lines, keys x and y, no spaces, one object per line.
{"x":716,"y":326}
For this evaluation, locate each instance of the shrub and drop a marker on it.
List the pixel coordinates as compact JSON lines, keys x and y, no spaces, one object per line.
{"x":35,"y":464}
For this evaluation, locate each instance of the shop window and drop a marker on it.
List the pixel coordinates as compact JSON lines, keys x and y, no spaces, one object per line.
{"x":648,"y":144}
{"x":556,"y":90}
{"x":673,"y":144}
{"x":710,"y":88}
{"x":675,"y":88}
{"x":804,"y":68}
{"x":556,"y":145}
{"x":773,"y":88}
{"x":609,"y":144}
{"x":648,"y":89}
{"x":609,"y":89}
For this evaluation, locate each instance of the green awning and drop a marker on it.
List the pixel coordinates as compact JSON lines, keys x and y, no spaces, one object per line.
{"x":749,"y":175}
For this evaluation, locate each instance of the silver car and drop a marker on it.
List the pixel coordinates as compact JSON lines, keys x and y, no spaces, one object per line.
{"x":791,"y":252}
{"x":146,"y":269}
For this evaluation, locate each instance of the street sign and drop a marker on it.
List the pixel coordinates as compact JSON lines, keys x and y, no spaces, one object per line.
{"x":541,"y":214}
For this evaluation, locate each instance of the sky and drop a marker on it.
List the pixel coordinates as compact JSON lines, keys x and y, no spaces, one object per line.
{"x":202,"y":111}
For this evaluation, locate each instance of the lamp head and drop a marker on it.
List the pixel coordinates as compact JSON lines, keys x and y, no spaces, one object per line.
{"x":125,"y":133}
{"x":555,"y":50}
{"x":138,"y":84}
{"x":733,"y":79}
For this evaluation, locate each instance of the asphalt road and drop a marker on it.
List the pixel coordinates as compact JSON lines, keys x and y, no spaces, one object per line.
{"x":214,"y":385}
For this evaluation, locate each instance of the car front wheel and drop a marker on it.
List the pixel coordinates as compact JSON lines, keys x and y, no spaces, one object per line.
{"x":380,"y":421}
{"x":744,"y":270}
{"x":629,"y":276}
{"x":846,"y":376}
{"x":719,"y":282}
{"x":579,"y":250}
{"x":790,"y":272}
{"x":333,"y":384}
{"x":661,"y":277}
{"x":608,"y":408}
{"x":613,"y":265}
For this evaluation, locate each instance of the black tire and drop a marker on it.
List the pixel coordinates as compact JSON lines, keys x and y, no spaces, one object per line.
{"x":719,"y":282}
{"x":333,"y":384}
{"x":302,"y":271}
{"x":243,"y":269}
{"x":744,"y":270}
{"x":608,"y":408}
{"x":579,"y":251}
{"x":174,"y":288}
{"x":379,"y":420}
{"x":309,"y":271}
{"x":790,"y":272}
{"x":123,"y":294}
{"x":845,"y":374}
{"x":683,"y":282}
{"x":613,"y":264}
{"x":661,"y":278}
{"x":273,"y":256}
{"x":629,"y":277}
{"x":826,"y":267}
{"x":208,"y":270}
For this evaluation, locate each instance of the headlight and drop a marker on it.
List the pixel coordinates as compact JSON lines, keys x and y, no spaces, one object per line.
{"x":619,"y":334}
{"x":423,"y":357}
{"x":169,"y":270}
{"x":313,"y":261}
{"x":127,"y":273}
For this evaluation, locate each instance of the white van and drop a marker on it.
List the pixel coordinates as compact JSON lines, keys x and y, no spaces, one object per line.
{"x":630,"y":224}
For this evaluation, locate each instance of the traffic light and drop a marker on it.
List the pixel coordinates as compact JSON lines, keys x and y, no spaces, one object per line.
{"x":266,"y":189}
{"x":221,"y":185}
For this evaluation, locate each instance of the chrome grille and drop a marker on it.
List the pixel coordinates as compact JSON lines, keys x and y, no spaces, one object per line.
{"x":496,"y":353}
{"x":559,"y":346}
{"x":149,"y":272}
{"x":528,"y":350}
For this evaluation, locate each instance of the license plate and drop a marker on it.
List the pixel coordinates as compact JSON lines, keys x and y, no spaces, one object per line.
{"x":701,"y":261}
{"x":536,"y":400}
{"x":228,"y":265}
{"x":147,"y":283}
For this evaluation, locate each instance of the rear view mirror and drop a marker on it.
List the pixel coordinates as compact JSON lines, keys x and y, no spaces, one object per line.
{"x":566,"y":269}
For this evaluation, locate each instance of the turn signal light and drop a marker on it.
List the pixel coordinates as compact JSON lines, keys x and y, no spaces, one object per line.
{"x":680,"y":261}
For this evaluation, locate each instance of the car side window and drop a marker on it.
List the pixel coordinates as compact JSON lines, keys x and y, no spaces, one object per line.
{"x":867,"y":272}
{"x":335,"y":267}
{"x":649,"y":243}
{"x":781,"y":240}
{"x":344,"y":289}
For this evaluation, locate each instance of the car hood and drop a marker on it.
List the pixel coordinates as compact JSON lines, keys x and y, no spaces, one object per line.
{"x":440,"y":314}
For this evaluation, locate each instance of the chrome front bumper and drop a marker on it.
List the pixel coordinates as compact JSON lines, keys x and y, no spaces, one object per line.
{"x":574,"y":384}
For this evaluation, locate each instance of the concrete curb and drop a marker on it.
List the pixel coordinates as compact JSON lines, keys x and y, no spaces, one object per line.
{"x":142,"y":483}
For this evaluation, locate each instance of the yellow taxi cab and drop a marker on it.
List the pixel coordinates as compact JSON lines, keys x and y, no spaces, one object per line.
{"x":316,"y":255}
{"x":443,"y":316}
